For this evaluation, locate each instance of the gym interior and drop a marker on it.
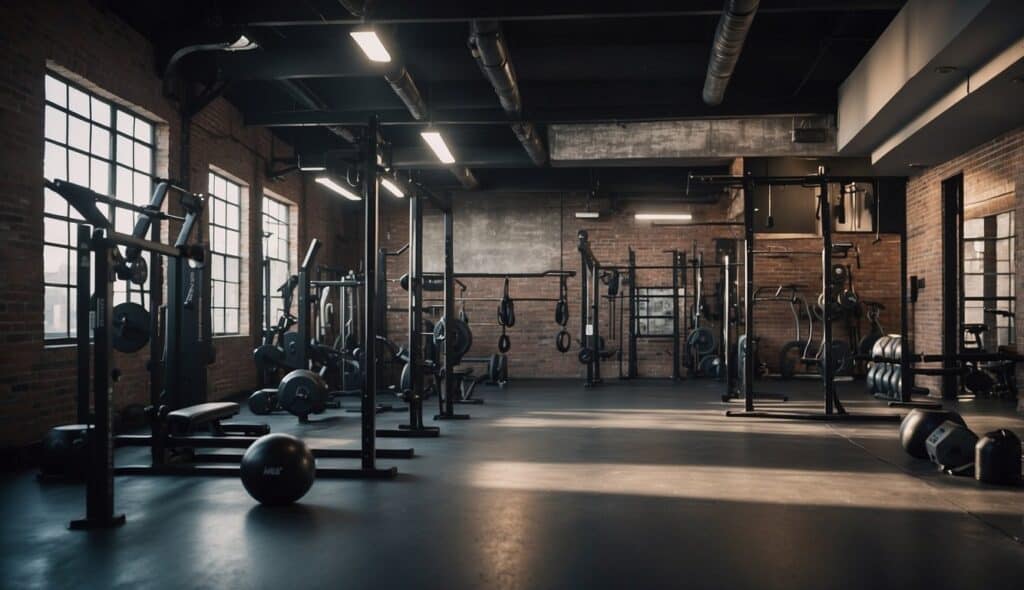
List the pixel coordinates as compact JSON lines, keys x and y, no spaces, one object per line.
{"x":380,"y":294}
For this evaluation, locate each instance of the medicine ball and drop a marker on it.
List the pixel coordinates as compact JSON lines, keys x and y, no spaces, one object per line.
{"x":65,"y":452}
{"x":919,"y":424}
{"x":278,"y":469}
{"x":997,"y":458}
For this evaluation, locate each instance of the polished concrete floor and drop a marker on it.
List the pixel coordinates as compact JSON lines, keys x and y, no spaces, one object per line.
{"x":641,"y":485}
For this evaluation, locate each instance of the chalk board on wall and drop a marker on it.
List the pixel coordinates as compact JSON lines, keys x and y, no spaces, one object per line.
{"x":494,"y":233}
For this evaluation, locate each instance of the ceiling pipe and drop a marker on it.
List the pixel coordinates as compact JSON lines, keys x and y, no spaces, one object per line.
{"x":733,"y":26}
{"x":491,"y":53}
{"x":405,"y":88}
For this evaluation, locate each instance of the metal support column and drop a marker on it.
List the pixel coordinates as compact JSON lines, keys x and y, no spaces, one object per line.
{"x":368,"y":406}
{"x":450,"y":392}
{"x":99,"y":490}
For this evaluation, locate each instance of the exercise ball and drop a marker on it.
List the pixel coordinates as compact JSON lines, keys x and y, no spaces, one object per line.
{"x":919,"y":424}
{"x":65,"y":452}
{"x":997,"y":458}
{"x":278,"y":469}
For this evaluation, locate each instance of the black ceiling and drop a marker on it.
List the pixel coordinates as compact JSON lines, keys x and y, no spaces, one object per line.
{"x":584,"y":59}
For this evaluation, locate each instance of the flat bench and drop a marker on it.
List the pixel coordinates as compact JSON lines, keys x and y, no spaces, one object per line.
{"x":188,"y":419}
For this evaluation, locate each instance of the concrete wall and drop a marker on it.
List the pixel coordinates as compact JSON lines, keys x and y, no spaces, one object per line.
{"x":103,"y":53}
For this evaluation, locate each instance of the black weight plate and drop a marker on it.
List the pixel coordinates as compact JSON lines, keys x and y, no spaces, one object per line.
{"x":790,"y":357}
{"x":302,"y":392}
{"x":701,"y":340}
{"x":261,"y":402}
{"x":710,"y":366}
{"x":493,"y":370}
{"x":131,"y":323}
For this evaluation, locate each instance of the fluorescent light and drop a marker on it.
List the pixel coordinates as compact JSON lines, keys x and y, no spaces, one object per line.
{"x":663,"y":217}
{"x":312,"y":168}
{"x":588,"y":215}
{"x":436,"y":143}
{"x":334,"y":186}
{"x":370,"y":43}
{"x":392,"y":187}
{"x":243,"y":43}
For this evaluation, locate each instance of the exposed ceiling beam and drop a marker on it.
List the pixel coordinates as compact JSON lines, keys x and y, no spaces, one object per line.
{"x":418,"y":12}
{"x":396,"y":118}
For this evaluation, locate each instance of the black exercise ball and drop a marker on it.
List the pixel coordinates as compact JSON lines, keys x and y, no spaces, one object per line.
{"x":278,"y":469}
{"x":997,"y":458}
{"x":919,"y":424}
{"x":65,"y":452}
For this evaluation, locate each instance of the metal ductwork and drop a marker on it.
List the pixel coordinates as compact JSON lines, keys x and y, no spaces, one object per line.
{"x":491,"y":53}
{"x":529,"y":136}
{"x":404,"y":86}
{"x":733,"y":26}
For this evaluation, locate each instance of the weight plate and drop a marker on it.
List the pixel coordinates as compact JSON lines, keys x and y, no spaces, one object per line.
{"x":131,"y":323}
{"x":711,"y":366}
{"x":261,"y":402}
{"x":701,"y":341}
{"x":790,"y":357}
{"x":493,"y":370}
{"x":302,"y":392}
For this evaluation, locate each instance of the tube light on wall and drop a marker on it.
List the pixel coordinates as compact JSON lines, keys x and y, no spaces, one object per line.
{"x":334,"y":186}
{"x":439,"y":147}
{"x":371,"y":45}
{"x":663,"y":217}
{"x":588,"y":215}
{"x":392,"y":187}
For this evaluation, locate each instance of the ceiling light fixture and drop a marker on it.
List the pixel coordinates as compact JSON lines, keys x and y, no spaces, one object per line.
{"x":663,"y":217}
{"x":371,"y":45}
{"x":392,"y":187}
{"x":588,"y":215}
{"x":437,"y":144}
{"x":945,"y":69}
{"x":334,"y":186}
{"x":243,"y":43}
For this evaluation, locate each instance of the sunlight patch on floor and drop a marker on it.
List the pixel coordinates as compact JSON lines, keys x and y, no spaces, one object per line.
{"x":849,"y":489}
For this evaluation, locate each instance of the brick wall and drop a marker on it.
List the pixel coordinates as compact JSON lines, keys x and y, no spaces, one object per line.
{"x":93,"y":47}
{"x":533,"y":351}
{"x":993,"y":181}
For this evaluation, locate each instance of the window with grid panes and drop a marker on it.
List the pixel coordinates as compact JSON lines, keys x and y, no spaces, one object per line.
{"x":225,"y":211}
{"x":95,"y":143}
{"x":276,"y":255}
{"x":988,"y":277}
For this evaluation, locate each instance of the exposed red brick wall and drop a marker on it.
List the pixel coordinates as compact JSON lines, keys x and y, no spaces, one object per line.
{"x":992,"y":171}
{"x":533,"y":351}
{"x":81,"y":41}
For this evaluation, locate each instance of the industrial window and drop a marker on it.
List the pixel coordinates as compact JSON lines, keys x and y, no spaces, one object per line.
{"x":988,"y":277}
{"x":225,"y":209}
{"x":95,"y":143}
{"x":276,"y":256}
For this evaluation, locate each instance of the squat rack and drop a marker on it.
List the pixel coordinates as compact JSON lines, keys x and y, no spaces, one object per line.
{"x":833,"y":409}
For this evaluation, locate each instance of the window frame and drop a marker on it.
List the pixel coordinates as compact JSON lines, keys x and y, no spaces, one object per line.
{"x":989,"y":276}
{"x":270,"y":296}
{"x":111,"y":162}
{"x":223,"y":256}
